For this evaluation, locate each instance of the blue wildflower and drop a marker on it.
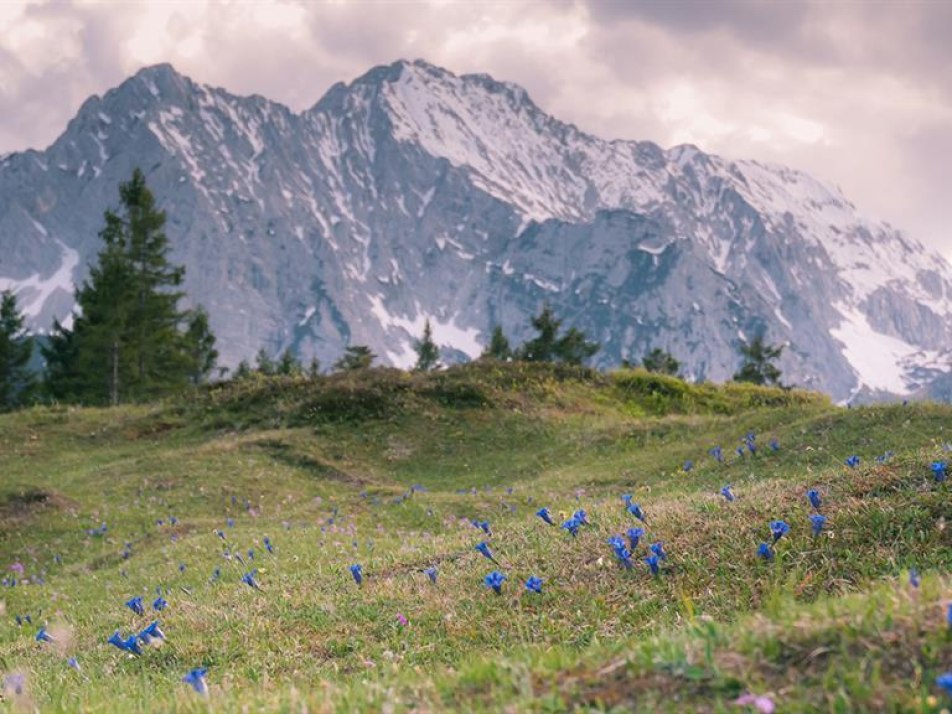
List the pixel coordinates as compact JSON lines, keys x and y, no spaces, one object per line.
{"x":249,"y":579}
{"x":159,"y":604}
{"x":73,"y":663}
{"x":818,"y":522}
{"x":688,"y":465}
{"x":581,"y":517}
{"x":483,"y":547}
{"x":268,"y":545}
{"x":251,"y":553}
{"x":196,"y":680}
{"x":852,"y":461}
{"x":216,"y":574}
{"x":634,"y":535}
{"x":914,"y":578}
{"x":181,"y":567}
{"x":635,"y":510}
{"x":653,"y":563}
{"x":778,"y":529}
{"x":44,"y":636}
{"x":431,"y":573}
{"x":774,"y":445}
{"x":358,"y":572}
{"x":944,"y":681}
{"x":130,"y":644}
{"x":717,"y":454}
{"x":230,"y":522}
{"x":152,"y":633}
{"x":939,"y":470}
{"x":658,"y":549}
{"x":220,"y":533}
{"x":764,"y":551}
{"x":572,"y":525}
{"x":727,"y":493}
{"x":135,"y":604}
{"x":814,"y":497}
{"x":544,"y":514}
{"x":484,"y":527}
{"x":740,"y":451}
{"x":534,"y":584}
{"x":948,"y":616}
{"x":494,"y":580}
{"x":626,"y":497}
{"x":883,"y":458}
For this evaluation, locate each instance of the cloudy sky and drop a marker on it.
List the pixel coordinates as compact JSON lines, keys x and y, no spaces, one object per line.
{"x":858,"y":93}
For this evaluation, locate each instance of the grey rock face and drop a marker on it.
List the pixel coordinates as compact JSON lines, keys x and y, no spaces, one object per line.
{"x":414,"y":194}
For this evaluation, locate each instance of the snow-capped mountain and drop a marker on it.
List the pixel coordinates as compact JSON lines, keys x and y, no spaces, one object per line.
{"x":413,"y":193}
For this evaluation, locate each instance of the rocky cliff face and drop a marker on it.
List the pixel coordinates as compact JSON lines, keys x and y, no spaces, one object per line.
{"x":413,"y":193}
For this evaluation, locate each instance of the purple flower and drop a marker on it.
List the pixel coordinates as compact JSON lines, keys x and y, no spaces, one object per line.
{"x":658,"y":549}
{"x":267,"y":545}
{"x":764,"y":551}
{"x":653,"y":563}
{"x":581,"y":517}
{"x":483,"y":547}
{"x":152,"y":633}
{"x":402,"y":620}
{"x":761,"y":704}
{"x":634,"y":535}
{"x":494,"y":580}
{"x":688,"y":465}
{"x":914,"y":578}
{"x":196,"y":680}
{"x":572,"y":525}
{"x":130,"y":644}
{"x":159,"y":604}
{"x":73,"y":663}
{"x":852,"y":461}
{"x":717,"y":454}
{"x":135,"y":604}
{"x":727,"y":493}
{"x":534,"y":584}
{"x":544,"y":514}
{"x":249,"y":579}
{"x":778,"y":529}
{"x":358,"y":572}
{"x":774,"y":445}
{"x":818,"y":522}
{"x":431,"y":573}
{"x":814,"y":497}
{"x":635,"y":510}
{"x":44,"y":636}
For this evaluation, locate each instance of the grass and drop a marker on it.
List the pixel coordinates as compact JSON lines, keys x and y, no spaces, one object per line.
{"x":388,"y":469}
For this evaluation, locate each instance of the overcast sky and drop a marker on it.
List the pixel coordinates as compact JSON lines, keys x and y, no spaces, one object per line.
{"x":857,"y":93}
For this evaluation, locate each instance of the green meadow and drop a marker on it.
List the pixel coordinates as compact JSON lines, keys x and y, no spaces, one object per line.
{"x":389,"y":470}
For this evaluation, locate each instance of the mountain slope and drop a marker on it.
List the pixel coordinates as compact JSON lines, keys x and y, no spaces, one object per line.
{"x":412,"y":193}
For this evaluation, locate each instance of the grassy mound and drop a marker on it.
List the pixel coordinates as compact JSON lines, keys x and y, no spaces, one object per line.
{"x":391,"y":470}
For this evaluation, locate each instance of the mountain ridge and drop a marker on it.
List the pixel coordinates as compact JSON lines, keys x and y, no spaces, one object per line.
{"x":311,"y":230}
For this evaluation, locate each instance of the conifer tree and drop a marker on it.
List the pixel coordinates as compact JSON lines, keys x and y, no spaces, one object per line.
{"x":356,"y":357}
{"x":201,"y":346}
{"x":264,"y":364}
{"x":547,"y":346}
{"x":661,"y":362}
{"x":498,"y":347}
{"x":288,"y":364}
{"x":757,"y":366}
{"x":127,"y":341}
{"x":16,"y":348}
{"x":428,"y":354}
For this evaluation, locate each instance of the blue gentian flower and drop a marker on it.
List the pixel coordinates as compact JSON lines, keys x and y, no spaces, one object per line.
{"x":948,"y":616}
{"x":196,"y":680}
{"x":852,"y":461}
{"x":634,"y":535}
{"x":752,"y":447}
{"x":717,"y":454}
{"x":544,"y":514}
{"x":944,"y":681}
{"x":818,"y":522}
{"x":727,"y":493}
{"x":653,"y":563}
{"x":658,"y":549}
{"x":181,"y":567}
{"x":216,"y":574}
{"x":814,"y":497}
{"x":130,"y":644}
{"x":483,"y":547}
{"x":688,"y":465}
{"x":251,"y":553}
{"x":626,"y":497}
{"x":779,"y":529}
{"x":358,"y":572}
{"x":249,"y":579}
{"x":572,"y":525}
{"x":431,"y":573}
{"x":534,"y":584}
{"x":581,"y":517}
{"x":635,"y":510}
{"x":914,"y":578}
{"x":220,"y":533}
{"x":267,"y":545}
{"x":484,"y":527}
{"x":494,"y":580}
{"x":740,"y":451}
{"x":159,"y":604}
{"x":73,"y":663}
{"x":774,"y":445}
{"x":151,"y":633}
{"x":939,"y":470}
{"x":764,"y":551}
{"x":135,"y":604}
{"x":230,"y":522}
{"x":44,"y":636}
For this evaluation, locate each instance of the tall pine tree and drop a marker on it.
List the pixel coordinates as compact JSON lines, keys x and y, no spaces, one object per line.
{"x":127,"y":342}
{"x":428,"y":354}
{"x":16,"y":347}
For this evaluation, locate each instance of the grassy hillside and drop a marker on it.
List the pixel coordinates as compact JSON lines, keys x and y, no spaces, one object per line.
{"x":389,"y":470}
